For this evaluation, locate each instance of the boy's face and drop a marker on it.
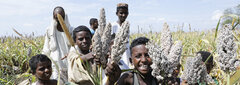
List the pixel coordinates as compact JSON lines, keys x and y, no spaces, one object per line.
{"x":83,"y":40}
{"x":141,"y":59}
{"x":43,"y":70}
{"x":95,"y":24}
{"x":122,"y":14}
{"x":209,"y":66}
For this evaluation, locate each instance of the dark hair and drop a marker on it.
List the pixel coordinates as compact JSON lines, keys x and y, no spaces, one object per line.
{"x":205,"y":55}
{"x":80,"y":28}
{"x":138,"y":41}
{"x":36,"y":59}
{"x":121,"y":7}
{"x":92,"y":20}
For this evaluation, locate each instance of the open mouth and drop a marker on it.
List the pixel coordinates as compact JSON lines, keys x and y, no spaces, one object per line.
{"x":84,"y":45}
{"x":143,"y":67}
{"x":47,"y":74}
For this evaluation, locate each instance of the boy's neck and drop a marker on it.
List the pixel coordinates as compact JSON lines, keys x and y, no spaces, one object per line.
{"x":119,"y":22}
{"x":43,"y":82}
{"x":147,"y":78}
{"x":85,"y":51}
{"x":93,"y":28}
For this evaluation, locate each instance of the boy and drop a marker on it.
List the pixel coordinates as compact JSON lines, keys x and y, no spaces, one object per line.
{"x":209,"y":64}
{"x":77,"y":73}
{"x":141,"y":62}
{"x":93,"y":25}
{"x":41,"y":67}
{"x":122,"y":13}
{"x":56,"y":44}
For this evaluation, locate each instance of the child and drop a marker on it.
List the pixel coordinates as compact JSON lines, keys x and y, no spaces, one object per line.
{"x":41,"y":67}
{"x":140,"y":60}
{"x":77,"y":73}
{"x":122,"y":13}
{"x":209,"y":63}
{"x":93,"y":25}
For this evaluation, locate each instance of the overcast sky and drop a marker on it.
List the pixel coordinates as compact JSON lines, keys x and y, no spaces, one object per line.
{"x":28,"y":16}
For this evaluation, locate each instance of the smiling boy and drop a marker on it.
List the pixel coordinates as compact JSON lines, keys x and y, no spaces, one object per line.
{"x":141,"y":61}
{"x":77,"y":72}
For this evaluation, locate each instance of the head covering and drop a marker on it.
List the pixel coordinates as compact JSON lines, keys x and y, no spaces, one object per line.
{"x":122,"y":5}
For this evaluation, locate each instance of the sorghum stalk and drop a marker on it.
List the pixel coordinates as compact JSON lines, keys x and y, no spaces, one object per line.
{"x":227,"y":49}
{"x":120,"y":42}
{"x":195,"y":71}
{"x":102,"y":20}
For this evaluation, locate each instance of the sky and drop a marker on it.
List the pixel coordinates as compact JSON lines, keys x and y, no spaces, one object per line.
{"x":34,"y":16}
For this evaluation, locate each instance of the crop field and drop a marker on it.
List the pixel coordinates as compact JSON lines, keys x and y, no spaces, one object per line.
{"x":15,"y":51}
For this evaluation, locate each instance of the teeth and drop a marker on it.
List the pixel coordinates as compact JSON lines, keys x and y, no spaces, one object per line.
{"x":47,"y":74}
{"x":143,"y":66}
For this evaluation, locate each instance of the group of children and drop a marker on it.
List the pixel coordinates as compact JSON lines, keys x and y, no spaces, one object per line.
{"x":72,"y":68}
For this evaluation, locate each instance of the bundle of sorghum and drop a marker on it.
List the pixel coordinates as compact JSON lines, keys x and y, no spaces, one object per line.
{"x":166,"y":58}
{"x":155,"y":54}
{"x":226,"y":49}
{"x":101,"y":39}
{"x":97,"y":44}
{"x":166,"y":40}
{"x":106,"y":39}
{"x":170,"y":52}
{"x":120,"y":41}
{"x":174,"y":56}
{"x":102,"y":20}
{"x":195,"y":71}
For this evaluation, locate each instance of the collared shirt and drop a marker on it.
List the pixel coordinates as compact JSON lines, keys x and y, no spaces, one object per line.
{"x":76,"y":71}
{"x":92,"y":31}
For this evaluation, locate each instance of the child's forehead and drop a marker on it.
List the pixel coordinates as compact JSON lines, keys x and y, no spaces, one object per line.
{"x":83,"y":32}
{"x":43,"y":63}
{"x":122,"y":9}
{"x":139,"y":48}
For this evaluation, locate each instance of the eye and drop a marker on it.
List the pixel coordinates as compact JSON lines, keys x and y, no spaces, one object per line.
{"x":49,"y":67}
{"x":146,"y":55}
{"x":80,"y":39}
{"x":138,"y":56}
{"x":42,"y":69}
{"x":87,"y":38}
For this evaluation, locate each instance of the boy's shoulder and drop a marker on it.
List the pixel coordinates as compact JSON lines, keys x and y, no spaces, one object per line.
{"x":53,"y":82}
{"x":126,"y":79}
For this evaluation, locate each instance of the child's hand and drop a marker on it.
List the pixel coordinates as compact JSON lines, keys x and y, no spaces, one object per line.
{"x":184,"y":82}
{"x":113,"y":71}
{"x":96,"y":60}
